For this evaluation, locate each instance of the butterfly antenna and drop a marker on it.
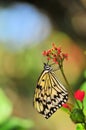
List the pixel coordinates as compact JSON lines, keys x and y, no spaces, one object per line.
{"x":46,"y":63}
{"x":56,"y":68}
{"x":52,"y":64}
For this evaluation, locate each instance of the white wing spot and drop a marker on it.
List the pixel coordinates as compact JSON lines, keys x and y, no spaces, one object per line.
{"x":59,"y":105}
{"x":65,"y":100}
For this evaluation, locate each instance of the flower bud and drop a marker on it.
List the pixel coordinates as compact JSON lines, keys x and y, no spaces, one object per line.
{"x":79,"y":95}
{"x":77,"y":116}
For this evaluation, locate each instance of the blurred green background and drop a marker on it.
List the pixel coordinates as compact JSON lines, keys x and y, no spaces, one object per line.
{"x":19,"y":72}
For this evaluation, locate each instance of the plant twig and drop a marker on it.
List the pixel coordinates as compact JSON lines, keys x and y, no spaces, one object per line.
{"x":69,"y":87}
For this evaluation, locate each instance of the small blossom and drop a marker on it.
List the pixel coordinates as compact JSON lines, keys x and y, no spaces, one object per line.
{"x":52,"y":49}
{"x":79,"y":95}
{"x":53,"y":45}
{"x":59,"y":50}
{"x":48,"y":58}
{"x":48,"y":52}
{"x":54,"y":55}
{"x":65,"y":105}
{"x":68,"y":106}
{"x":65,"y":56}
{"x":44,"y":53}
{"x":55,"y":60}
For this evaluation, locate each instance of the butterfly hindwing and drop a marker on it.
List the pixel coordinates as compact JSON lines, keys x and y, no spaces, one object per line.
{"x":50,"y":94}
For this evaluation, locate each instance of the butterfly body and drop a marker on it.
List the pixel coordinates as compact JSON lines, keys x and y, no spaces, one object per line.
{"x":50,"y":94}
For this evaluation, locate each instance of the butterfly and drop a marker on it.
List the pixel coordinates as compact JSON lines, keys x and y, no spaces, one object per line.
{"x":50,"y":94}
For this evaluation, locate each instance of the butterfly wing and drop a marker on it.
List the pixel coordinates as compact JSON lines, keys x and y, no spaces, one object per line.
{"x":40,"y":92}
{"x":50,"y":94}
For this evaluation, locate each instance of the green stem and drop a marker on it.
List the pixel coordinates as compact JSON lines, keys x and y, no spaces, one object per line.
{"x":69,"y":87}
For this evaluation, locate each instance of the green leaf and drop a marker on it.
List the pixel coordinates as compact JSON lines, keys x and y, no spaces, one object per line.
{"x":66,"y":110}
{"x":5,"y":107}
{"x":80,"y":127}
{"x":83,"y":86}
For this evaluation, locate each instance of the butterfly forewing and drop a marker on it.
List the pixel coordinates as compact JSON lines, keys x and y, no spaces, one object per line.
{"x":50,"y":94}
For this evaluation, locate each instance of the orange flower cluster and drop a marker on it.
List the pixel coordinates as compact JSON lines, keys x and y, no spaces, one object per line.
{"x":55,"y":54}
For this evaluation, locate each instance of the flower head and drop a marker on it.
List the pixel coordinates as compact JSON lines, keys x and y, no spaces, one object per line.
{"x":79,"y":95}
{"x":55,"y":54}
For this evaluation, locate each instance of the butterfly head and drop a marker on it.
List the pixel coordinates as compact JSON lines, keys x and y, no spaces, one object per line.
{"x":47,"y":67}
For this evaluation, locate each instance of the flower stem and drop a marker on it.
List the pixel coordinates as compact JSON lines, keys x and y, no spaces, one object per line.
{"x":70,"y":90}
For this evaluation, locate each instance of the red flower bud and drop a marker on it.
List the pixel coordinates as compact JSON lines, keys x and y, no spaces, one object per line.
{"x":48,"y":58}
{"x":55,"y":60}
{"x":68,"y":106}
{"x":65,"y":56}
{"x":79,"y":95}
{"x":44,"y":53}
{"x":59,"y":50}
